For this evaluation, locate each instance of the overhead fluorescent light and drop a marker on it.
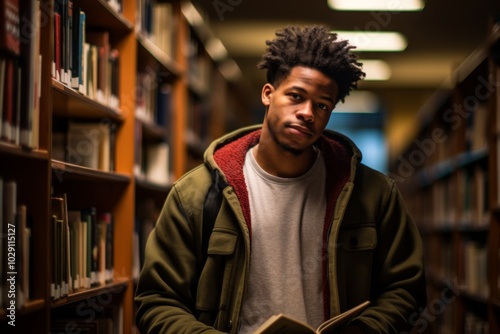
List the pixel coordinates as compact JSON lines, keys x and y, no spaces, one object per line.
{"x":191,"y":14}
{"x":384,"y":5}
{"x":376,"y":70}
{"x":216,"y":49}
{"x":374,"y":41}
{"x":230,"y":70}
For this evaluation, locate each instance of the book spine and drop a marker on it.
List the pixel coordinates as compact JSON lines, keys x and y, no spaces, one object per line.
{"x":22,"y":259}
{"x":69,"y":44}
{"x":81,"y":40}
{"x":54,"y":286}
{"x":3,"y":64}
{"x":115,"y":79}
{"x":8,"y":101}
{"x":9,"y":26}
{"x":16,"y":127}
{"x":57,"y":46}
{"x":76,"y":48}
{"x":29,"y":59}
{"x":108,"y":218}
{"x":75,"y":234}
{"x":89,"y":216}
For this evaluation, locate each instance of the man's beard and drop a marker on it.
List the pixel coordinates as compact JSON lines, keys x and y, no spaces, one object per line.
{"x":283,"y":146}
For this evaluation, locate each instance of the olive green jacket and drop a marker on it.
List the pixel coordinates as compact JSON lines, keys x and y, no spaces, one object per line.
{"x":372,"y":249}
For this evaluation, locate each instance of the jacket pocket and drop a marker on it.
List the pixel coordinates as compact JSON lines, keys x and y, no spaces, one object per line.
{"x":214,"y":278}
{"x":356,"y":245}
{"x":358,"y":238}
{"x":222,"y":242}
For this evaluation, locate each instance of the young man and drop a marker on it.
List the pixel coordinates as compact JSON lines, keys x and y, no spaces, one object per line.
{"x":304,"y":228}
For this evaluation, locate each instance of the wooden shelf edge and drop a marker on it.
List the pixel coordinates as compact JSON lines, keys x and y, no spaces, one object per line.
{"x":92,"y":108}
{"x":472,"y":228}
{"x":110,"y":20}
{"x":152,"y":130}
{"x":16,"y":150}
{"x":142,"y":184}
{"x":62,"y":167}
{"x":440,"y":229}
{"x":115,"y":288}
{"x":160,"y":55}
{"x":445,"y":168}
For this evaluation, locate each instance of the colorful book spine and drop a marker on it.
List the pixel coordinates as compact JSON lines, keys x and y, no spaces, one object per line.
{"x":9,"y":26}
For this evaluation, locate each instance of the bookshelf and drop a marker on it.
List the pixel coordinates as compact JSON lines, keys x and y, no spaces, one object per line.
{"x":449,"y":177}
{"x":91,"y":147}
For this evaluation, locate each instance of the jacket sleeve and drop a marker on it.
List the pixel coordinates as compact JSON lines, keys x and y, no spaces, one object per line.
{"x":166,"y":289}
{"x":398,"y":280}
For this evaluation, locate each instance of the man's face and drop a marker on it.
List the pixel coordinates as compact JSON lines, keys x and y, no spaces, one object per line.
{"x":299,"y":108}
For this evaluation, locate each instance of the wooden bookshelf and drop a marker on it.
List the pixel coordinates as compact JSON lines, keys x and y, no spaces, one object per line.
{"x":448,"y":176}
{"x":42,"y":169}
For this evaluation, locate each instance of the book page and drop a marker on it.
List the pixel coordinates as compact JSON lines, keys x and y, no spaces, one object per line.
{"x":342,"y":319}
{"x":283,"y":324}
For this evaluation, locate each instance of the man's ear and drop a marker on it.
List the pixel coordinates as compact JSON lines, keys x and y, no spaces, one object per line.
{"x":267,"y":91}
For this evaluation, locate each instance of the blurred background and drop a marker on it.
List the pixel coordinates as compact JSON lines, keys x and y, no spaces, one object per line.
{"x":420,"y":44}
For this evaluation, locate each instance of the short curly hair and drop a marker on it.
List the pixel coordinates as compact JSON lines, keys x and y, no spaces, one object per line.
{"x":315,"y":47}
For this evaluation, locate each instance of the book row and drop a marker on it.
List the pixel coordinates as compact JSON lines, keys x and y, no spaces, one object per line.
{"x":20,"y":69}
{"x":146,"y":216}
{"x":156,"y":21}
{"x":475,"y":268}
{"x":153,"y":98}
{"x":87,"y":144}
{"x":470,"y":274}
{"x":151,"y":157}
{"x":84,"y":60}
{"x":14,"y":247}
{"x":97,"y":318}
{"x":458,"y":200}
{"x":82,"y":248}
{"x":472,"y":323}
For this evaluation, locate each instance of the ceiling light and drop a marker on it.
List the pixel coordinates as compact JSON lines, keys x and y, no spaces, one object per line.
{"x":191,"y":14}
{"x":216,"y":49}
{"x":374,"y":41}
{"x":230,"y":70}
{"x":376,"y":70}
{"x":385,"y":5}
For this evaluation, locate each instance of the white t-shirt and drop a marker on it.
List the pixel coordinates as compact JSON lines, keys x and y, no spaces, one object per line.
{"x":287,"y":219}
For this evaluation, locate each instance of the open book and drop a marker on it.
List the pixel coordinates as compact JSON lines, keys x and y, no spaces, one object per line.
{"x":283,"y":324}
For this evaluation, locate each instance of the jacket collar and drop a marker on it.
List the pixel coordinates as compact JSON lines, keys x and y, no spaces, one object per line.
{"x":228,"y":152}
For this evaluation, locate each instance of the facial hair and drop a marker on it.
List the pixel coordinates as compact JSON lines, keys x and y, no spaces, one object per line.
{"x":283,"y":146}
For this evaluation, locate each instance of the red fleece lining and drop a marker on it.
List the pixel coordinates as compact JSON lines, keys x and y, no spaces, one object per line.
{"x":338,"y":160}
{"x":230,"y":159}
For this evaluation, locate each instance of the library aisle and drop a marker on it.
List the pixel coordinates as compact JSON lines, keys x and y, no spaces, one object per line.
{"x":449,"y":176}
{"x":105,"y":103}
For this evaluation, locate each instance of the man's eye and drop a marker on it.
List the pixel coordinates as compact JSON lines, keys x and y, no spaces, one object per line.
{"x":295,"y":96}
{"x":323,"y":107}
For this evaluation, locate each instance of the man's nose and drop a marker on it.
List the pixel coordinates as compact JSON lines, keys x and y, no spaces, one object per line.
{"x":306,"y":111}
